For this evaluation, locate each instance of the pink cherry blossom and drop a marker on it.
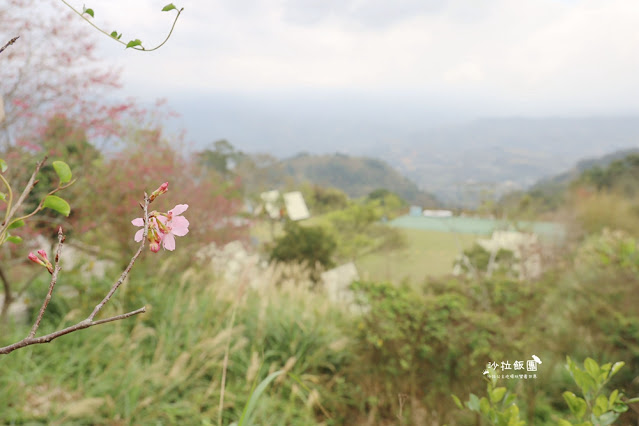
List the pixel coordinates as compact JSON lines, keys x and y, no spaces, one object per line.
{"x":174,"y":225}
{"x":138,"y":221}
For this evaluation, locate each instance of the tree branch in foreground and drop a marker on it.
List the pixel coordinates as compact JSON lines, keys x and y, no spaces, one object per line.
{"x":88,"y":322}
{"x":9,"y":43}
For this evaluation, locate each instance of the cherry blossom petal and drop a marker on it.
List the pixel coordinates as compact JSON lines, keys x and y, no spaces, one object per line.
{"x":169,"y":242}
{"x":138,"y":221}
{"x":179,"y":226}
{"x":138,"y":235}
{"x":179,"y":209}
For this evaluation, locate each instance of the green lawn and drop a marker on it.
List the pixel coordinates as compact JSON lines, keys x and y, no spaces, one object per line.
{"x":427,"y":253}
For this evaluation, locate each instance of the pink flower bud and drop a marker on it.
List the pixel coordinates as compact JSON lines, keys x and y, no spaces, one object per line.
{"x":161,"y":190}
{"x":154,"y":246}
{"x":32,"y":257}
{"x":36,"y":259}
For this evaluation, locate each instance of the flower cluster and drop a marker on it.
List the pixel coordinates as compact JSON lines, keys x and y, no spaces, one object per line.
{"x":163,"y":227}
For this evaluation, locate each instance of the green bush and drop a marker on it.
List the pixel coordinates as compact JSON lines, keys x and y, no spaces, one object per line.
{"x":311,"y":245}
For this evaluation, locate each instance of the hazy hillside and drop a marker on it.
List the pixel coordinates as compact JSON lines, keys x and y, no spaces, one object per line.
{"x":613,"y":169}
{"x":500,"y":155}
{"x":357,"y":176}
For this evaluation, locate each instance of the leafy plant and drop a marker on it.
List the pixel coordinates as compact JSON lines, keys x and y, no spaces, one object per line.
{"x":499,"y":408}
{"x":595,"y":408}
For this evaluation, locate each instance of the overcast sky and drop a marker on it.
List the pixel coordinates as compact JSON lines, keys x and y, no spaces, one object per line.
{"x":489,"y":57}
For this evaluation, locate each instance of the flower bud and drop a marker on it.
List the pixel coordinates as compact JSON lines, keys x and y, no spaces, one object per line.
{"x":161,"y":190}
{"x":36,"y":259}
{"x":44,"y":262}
{"x":155,"y":246}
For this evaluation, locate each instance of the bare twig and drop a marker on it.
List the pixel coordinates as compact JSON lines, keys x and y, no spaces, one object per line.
{"x":8,"y":297}
{"x":79,"y":326}
{"x":27,"y":190}
{"x":119,"y":282}
{"x":54,"y":278}
{"x":88,"y":322}
{"x":9,"y":43}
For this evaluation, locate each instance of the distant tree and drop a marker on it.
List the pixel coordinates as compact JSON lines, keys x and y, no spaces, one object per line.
{"x":222,"y":158}
{"x":305,"y":244}
{"x":33,"y":87}
{"x":325,"y":199}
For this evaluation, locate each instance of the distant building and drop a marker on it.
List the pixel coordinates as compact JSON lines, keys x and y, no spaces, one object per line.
{"x":270,"y":199}
{"x":296,"y":206}
{"x":437,"y":213}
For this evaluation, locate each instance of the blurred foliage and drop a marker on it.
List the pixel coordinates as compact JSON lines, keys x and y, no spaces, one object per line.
{"x":476,"y":260}
{"x":311,"y":245}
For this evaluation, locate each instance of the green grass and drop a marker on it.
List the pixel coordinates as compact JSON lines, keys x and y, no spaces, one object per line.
{"x":427,"y":253}
{"x":165,"y":366}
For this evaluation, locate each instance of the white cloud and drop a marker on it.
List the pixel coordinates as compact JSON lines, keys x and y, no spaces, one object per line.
{"x":569,"y":53}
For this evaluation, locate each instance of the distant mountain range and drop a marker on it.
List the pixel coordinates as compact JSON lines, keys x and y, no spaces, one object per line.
{"x":458,"y":163}
{"x":496,"y":156}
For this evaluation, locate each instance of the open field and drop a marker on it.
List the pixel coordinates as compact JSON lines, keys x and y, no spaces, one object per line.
{"x":427,"y":253}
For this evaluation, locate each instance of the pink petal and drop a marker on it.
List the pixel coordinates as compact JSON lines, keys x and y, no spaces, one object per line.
{"x":138,"y":235}
{"x":138,"y":221}
{"x":169,"y":242}
{"x":179,"y":209}
{"x":179,"y":226}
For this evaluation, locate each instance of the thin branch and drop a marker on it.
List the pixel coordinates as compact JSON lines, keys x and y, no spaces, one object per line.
{"x":8,"y":297}
{"x":27,"y":190}
{"x":119,"y":282}
{"x":54,"y":279}
{"x":79,"y":326}
{"x":141,"y":49}
{"x":88,"y":322}
{"x":10,"y":191}
{"x":9,"y":43}
{"x":41,"y":204}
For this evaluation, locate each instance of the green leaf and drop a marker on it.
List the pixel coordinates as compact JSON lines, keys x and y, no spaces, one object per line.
{"x":484,"y":406}
{"x":63,"y":171}
{"x":168,"y":7}
{"x":255,"y":396}
{"x":114,"y":34}
{"x":616,"y":368}
{"x":633,"y":400}
{"x":562,"y":422}
{"x":3,"y":196}
{"x":592,"y":368}
{"x":16,"y":224}
{"x":577,"y":405}
{"x":473,"y":403}
{"x":134,"y":43}
{"x":3,"y":166}
{"x":613,"y":398}
{"x":89,"y":12}
{"x":457,"y":402}
{"x":14,"y":239}
{"x":607,"y":418}
{"x":58,"y":204}
{"x":497,"y":394}
{"x":601,"y":405}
